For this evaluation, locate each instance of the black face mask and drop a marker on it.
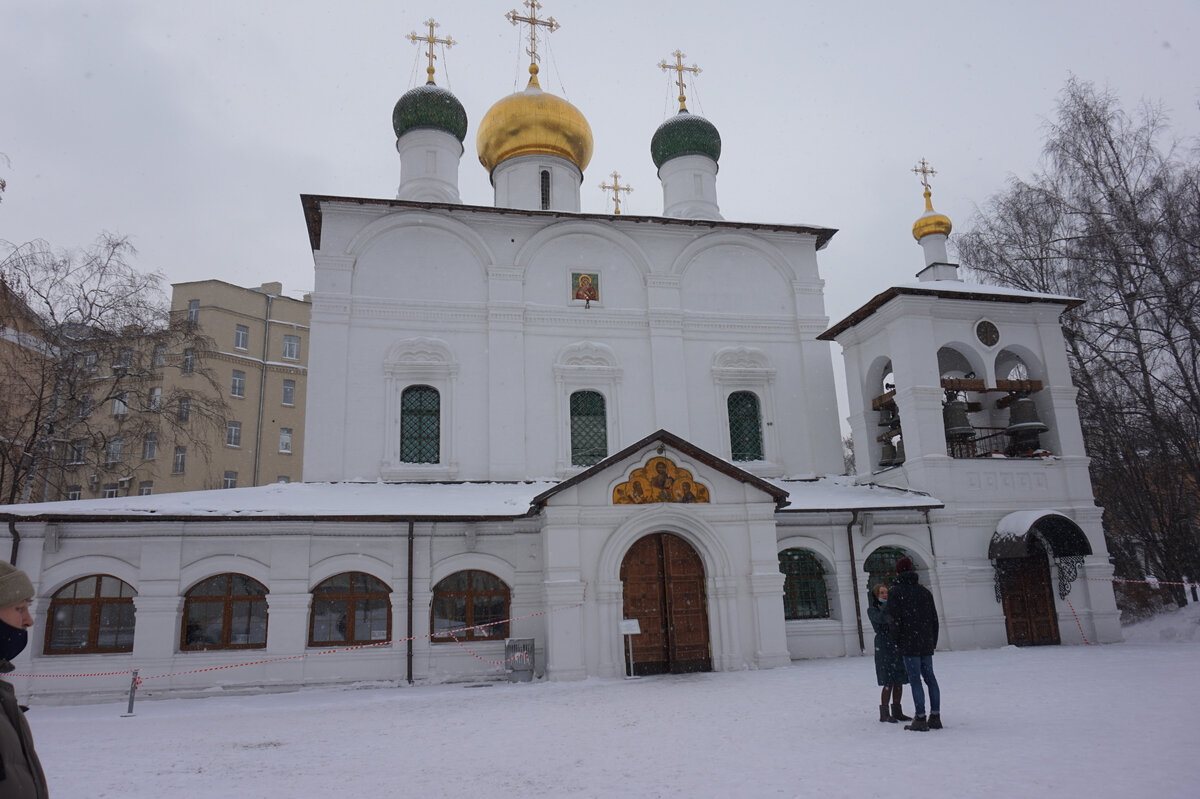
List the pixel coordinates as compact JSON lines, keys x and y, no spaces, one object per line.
{"x":12,"y":641}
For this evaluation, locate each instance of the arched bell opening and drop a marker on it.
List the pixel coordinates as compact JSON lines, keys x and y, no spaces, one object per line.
{"x":959,"y":368}
{"x":1022,"y":550}
{"x":884,"y":432}
{"x":1024,"y":411}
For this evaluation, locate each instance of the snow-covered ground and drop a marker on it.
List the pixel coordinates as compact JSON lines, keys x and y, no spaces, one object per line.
{"x":1112,"y":721}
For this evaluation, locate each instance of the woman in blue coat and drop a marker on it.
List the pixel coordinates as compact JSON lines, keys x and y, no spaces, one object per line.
{"x":889,"y":665}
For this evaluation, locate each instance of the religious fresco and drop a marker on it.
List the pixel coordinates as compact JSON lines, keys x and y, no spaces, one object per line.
{"x":660,"y":480}
{"x":585,"y":286}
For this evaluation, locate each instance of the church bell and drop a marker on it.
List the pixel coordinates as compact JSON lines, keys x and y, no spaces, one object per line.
{"x":954,"y":419}
{"x":1024,"y":426}
{"x":887,"y":456}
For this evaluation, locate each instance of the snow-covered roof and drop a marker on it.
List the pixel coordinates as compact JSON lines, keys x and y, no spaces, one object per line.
{"x":947,"y":289}
{"x":841,"y":493}
{"x":447,"y":501}
{"x":309,"y":500}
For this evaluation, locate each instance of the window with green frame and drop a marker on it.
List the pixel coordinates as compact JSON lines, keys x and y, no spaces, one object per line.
{"x":881,"y":566}
{"x":745,"y":426}
{"x":805,"y":595}
{"x":420,"y":425}
{"x":589,"y":428}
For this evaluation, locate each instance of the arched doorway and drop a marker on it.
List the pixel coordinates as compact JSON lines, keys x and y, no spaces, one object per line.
{"x":662,"y":580}
{"x":1029,"y":614}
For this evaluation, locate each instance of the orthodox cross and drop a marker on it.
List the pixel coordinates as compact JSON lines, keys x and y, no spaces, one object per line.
{"x":534,"y":23}
{"x":616,"y":188}
{"x":679,"y":70}
{"x":925,"y":171}
{"x":431,"y":40}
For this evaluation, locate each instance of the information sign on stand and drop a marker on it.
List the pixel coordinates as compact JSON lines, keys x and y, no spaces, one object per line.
{"x":630,"y":628}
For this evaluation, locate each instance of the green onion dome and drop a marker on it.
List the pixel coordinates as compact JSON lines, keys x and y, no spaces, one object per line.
{"x":685,"y":134}
{"x":429,"y":106}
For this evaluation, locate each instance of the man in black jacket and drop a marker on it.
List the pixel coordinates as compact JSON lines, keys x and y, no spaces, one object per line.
{"x":914,"y":621}
{"x":21,"y":775}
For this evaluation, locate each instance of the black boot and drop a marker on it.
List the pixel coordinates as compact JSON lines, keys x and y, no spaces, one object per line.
{"x":883,"y":714}
{"x":935,"y":721}
{"x":919,"y":724}
{"x":898,"y":714}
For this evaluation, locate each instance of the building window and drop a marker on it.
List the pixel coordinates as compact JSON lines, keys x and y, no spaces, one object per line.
{"x":420,"y":425}
{"x":189,"y":361}
{"x":154,"y":399}
{"x":470,"y":606}
{"x":120,"y":403}
{"x":180,"y":460}
{"x":237,"y":386}
{"x":115,"y":450}
{"x":193,"y":313}
{"x":283,"y":478}
{"x":289,"y":392}
{"x":110,"y":491}
{"x":74,"y":492}
{"x":745,"y":427}
{"x":146,"y":488}
{"x":291,"y":348}
{"x":881,"y":566}
{"x":285,"y":439}
{"x":804,"y":592}
{"x":92,"y":614}
{"x":241,"y":337}
{"x":85,"y":406}
{"x":90,"y":361}
{"x":78,"y":452}
{"x":233,"y":434}
{"x":229,"y":480}
{"x":124,"y":358}
{"x":185,"y":408}
{"x":589,"y":428}
{"x":228,"y":611}
{"x":545,"y":189}
{"x":160,"y":355}
{"x":350,"y":608}
{"x":150,"y":446}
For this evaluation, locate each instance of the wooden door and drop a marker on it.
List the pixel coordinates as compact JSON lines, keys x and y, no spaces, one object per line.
{"x":1029,"y":613}
{"x":663,"y":585}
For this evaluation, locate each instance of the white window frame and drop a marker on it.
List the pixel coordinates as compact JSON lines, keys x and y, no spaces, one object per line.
{"x":179,"y":460}
{"x":74,"y":492}
{"x":193,"y":311}
{"x":115,"y":451}
{"x":291,"y":348}
{"x":229,"y":479}
{"x":285,"y":440}
{"x":184,"y":412}
{"x":159,"y":358}
{"x":77,"y":452}
{"x":154,"y":398}
{"x":427,"y":362}
{"x":146,"y":488}
{"x":585,"y":366}
{"x":747,"y":369}
{"x":237,"y":384}
{"x":289,"y":384}
{"x":188,"y":364}
{"x":241,"y":337}
{"x":109,"y":491}
{"x":233,"y":434}
{"x":120,"y":403}
{"x":150,"y":446}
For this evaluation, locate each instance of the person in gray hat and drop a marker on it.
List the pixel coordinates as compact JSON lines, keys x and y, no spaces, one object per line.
{"x":21,"y":775}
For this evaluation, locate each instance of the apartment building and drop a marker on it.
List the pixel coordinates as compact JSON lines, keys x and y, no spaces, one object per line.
{"x":259,"y":363}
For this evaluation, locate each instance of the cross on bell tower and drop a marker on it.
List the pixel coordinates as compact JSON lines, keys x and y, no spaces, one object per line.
{"x":431,"y":40}
{"x":531,"y":19}
{"x":679,"y":69}
{"x":925,"y":171}
{"x":616,"y":188}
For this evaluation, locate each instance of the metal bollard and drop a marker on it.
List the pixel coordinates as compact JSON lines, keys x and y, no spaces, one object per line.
{"x":132,"y":693}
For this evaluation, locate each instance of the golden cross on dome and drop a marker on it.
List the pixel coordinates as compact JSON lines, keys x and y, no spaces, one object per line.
{"x":616,"y":188}
{"x":549,"y":23}
{"x":679,"y":70}
{"x":925,"y":171}
{"x":431,"y":40}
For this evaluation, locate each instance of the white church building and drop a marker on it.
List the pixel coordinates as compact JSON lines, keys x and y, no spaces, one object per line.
{"x":528,"y":422}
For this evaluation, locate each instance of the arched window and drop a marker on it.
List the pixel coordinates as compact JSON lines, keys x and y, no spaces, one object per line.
{"x":881,"y":566}
{"x":467,"y":599}
{"x":745,"y":427}
{"x":228,"y":611}
{"x":545,"y":189}
{"x":420,"y":425}
{"x":350,"y":608}
{"x":92,"y":614}
{"x":805,"y":595}
{"x":589,"y":428}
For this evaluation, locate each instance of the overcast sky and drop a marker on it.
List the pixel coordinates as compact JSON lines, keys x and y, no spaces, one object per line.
{"x":194,"y":127}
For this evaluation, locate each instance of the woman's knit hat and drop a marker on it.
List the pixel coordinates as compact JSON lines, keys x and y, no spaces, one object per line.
{"x":14,"y":585}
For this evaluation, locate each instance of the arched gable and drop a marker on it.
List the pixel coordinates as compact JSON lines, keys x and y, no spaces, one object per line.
{"x":625,"y":244}
{"x":478,"y":561}
{"x":358,"y":562}
{"x":58,"y":575}
{"x":369,"y":233}
{"x":213,"y":565}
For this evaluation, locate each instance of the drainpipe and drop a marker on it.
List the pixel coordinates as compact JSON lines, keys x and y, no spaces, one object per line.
{"x":16,"y":538}
{"x":862,"y":641}
{"x":410,"y":602}
{"x":262,"y":385}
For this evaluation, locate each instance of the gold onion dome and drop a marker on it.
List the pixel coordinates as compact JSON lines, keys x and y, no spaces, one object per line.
{"x":930,"y":222}
{"x":533,"y":122}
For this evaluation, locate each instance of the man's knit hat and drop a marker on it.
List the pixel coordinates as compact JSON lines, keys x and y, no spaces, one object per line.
{"x":14,"y":585}
{"x":904,"y":565}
